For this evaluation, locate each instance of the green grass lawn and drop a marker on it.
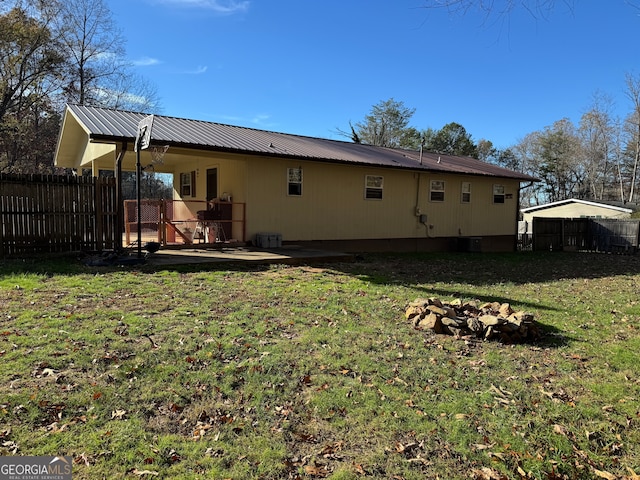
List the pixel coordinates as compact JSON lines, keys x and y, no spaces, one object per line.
{"x":286,"y":372}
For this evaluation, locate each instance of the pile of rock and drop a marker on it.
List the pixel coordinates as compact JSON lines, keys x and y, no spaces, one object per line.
{"x":491,"y":321}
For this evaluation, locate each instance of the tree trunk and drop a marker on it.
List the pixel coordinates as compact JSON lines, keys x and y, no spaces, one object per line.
{"x":636,"y":161}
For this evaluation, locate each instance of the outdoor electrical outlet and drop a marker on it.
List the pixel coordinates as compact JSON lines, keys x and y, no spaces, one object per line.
{"x":423,"y":218}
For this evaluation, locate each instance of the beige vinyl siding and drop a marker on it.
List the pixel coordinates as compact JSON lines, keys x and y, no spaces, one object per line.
{"x":231,"y":180}
{"x":232,"y":173}
{"x":479,"y":217}
{"x":333,"y":204}
{"x":575,"y":210}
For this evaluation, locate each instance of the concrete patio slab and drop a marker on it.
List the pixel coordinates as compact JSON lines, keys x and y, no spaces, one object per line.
{"x":283,"y":255}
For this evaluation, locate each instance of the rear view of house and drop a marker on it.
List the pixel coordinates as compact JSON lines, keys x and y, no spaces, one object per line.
{"x":306,"y":190}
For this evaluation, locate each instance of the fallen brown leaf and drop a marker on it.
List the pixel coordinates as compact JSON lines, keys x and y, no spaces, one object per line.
{"x":487,"y":473}
{"x":118,"y":414}
{"x":482,"y":446}
{"x":633,"y":475}
{"x":144,"y":472}
{"x":359,"y":469}
{"x":559,"y":429}
{"x":497,"y":455}
{"x":603,"y":474}
{"x":316,"y":470}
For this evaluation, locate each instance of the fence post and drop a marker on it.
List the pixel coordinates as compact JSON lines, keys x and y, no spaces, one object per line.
{"x":99,"y":206}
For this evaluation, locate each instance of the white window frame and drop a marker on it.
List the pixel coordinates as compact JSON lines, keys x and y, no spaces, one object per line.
{"x":373,"y":187}
{"x":437,"y":187}
{"x":465,"y":192}
{"x":294,"y":182}
{"x":498,"y":194}
{"x":186,"y":187}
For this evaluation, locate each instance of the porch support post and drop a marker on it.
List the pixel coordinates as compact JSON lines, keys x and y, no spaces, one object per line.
{"x":138,"y":196}
{"x":119,"y":228}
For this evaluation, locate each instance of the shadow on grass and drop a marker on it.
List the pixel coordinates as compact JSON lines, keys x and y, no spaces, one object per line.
{"x":553,"y":337}
{"x":474,"y":269}
{"x":480,"y":269}
{"x":450,"y":275}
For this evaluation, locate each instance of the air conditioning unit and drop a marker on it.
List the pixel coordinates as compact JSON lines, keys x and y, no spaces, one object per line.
{"x":268,"y":240}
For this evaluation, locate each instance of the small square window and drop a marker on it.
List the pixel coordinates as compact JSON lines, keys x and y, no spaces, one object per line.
{"x":465,"y":196}
{"x":373,"y":187}
{"x":498,"y":194}
{"x":187,"y":184}
{"x":436,"y":193}
{"x":294,"y":182}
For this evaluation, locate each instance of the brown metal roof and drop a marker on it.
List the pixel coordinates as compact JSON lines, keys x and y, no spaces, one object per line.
{"x":115,"y":125}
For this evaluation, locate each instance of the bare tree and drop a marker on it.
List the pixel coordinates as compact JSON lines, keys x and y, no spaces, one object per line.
{"x":94,"y":47}
{"x":554,"y":157}
{"x":97,"y":70}
{"x":618,"y":137}
{"x":131,"y":92}
{"x":498,"y":8}
{"x":597,"y":137}
{"x":632,"y":127}
{"x":525,"y":154}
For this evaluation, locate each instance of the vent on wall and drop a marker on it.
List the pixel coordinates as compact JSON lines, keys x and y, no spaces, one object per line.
{"x":470,"y":244}
{"x":475,"y":244}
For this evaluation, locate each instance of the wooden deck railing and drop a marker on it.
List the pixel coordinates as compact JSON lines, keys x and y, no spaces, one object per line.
{"x":178,"y":223}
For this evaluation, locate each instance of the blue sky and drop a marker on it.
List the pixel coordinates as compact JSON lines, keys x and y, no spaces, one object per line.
{"x":309,"y":68}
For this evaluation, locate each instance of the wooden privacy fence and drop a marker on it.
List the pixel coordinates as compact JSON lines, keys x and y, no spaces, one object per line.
{"x":55,"y":213}
{"x":587,"y":234}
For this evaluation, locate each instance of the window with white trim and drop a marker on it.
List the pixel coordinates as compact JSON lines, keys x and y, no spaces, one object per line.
{"x":373,"y":185}
{"x":498,"y":194}
{"x":465,"y":192}
{"x":436,"y":192}
{"x":188,"y":184}
{"x":294,"y":182}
